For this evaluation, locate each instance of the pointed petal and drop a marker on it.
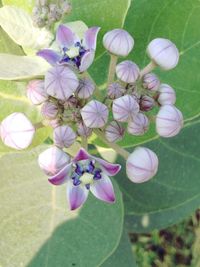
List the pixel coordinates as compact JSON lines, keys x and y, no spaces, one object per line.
{"x":65,"y":37}
{"x":81,"y":155}
{"x":103,"y":189}
{"x":62,"y":176}
{"x":90,"y":38}
{"x":76,"y":195}
{"x":86,"y":60}
{"x":110,"y":169}
{"x":49,"y":55}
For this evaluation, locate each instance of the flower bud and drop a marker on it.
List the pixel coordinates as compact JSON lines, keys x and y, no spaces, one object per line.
{"x":167,"y":95}
{"x":127,"y":71}
{"x":17,"y":131}
{"x":114,"y":132}
{"x":151,"y":82}
{"x":115,"y":90}
{"x":146,"y":103}
{"x":61,"y":82}
{"x":118,"y":42}
{"x":49,"y":110}
{"x":139,"y":125}
{"x":54,"y":123}
{"x":36,"y":93}
{"x":63,"y":136}
{"x":66,"y":7}
{"x":125,"y":108}
{"x":52,"y":160}
{"x":169,"y":121}
{"x":83,"y":130}
{"x":163,"y":53}
{"x":85,"y":89}
{"x":141,"y":165}
{"x":94,"y":114}
{"x":70,"y":103}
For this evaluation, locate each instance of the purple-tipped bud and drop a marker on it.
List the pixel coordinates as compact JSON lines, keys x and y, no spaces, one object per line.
{"x":163,"y":53}
{"x":66,"y":7}
{"x":139,"y":125}
{"x":55,"y":122}
{"x":146,"y":103}
{"x":49,"y":110}
{"x":83,"y":130}
{"x":127,"y":71}
{"x":141,"y":165}
{"x":114,"y":132}
{"x":61,"y":82}
{"x":70,"y":103}
{"x":125,"y":108}
{"x":17,"y":131}
{"x":63,"y":136}
{"x":85,"y":89}
{"x":167,"y":95}
{"x":169,"y":121}
{"x":151,"y":82}
{"x":52,"y":160}
{"x":115,"y":90}
{"x":36,"y":93}
{"x":118,"y":42}
{"x":94,"y":114}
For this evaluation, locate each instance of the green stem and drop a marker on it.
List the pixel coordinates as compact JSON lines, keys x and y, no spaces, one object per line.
{"x":148,"y":69}
{"x":39,"y":125}
{"x":124,"y":153}
{"x":84,"y":142}
{"x":112,"y":68}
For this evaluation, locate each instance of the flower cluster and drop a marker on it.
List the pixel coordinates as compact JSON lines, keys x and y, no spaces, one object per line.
{"x":73,"y":106}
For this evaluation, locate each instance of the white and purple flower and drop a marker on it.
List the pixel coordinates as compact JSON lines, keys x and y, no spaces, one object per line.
{"x":73,"y":50}
{"x":87,"y":173}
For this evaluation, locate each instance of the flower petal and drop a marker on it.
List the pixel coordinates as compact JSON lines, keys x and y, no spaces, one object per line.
{"x":62,"y":176}
{"x":110,"y":169}
{"x":86,"y":60}
{"x":76,"y":195}
{"x":81,"y":155}
{"x":90,"y":38}
{"x":49,"y":55}
{"x":103,"y":189}
{"x":65,"y":37}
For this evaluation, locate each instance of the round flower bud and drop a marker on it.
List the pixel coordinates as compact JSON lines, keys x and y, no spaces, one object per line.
{"x":83,"y":130}
{"x":54,"y":123}
{"x":94,"y":114}
{"x":118,"y":42}
{"x":17,"y":131}
{"x":163,"y":53}
{"x":63,"y":136}
{"x":49,"y":110}
{"x":127,"y":71}
{"x":52,"y":160}
{"x":114,"y":132}
{"x":167,"y":95}
{"x":141,"y":165}
{"x":61,"y":82}
{"x":125,"y":108}
{"x":169,"y":121}
{"x":85,"y":89}
{"x":139,"y":125}
{"x":146,"y":103}
{"x":70,"y":103}
{"x":151,"y":82}
{"x":66,"y":7}
{"x":115,"y":90}
{"x":36,"y":93}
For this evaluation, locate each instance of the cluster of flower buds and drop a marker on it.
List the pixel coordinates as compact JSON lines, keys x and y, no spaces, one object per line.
{"x":46,"y":13}
{"x":69,"y":104}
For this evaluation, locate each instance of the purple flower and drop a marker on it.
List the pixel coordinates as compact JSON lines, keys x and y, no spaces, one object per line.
{"x":87,"y":173}
{"x":74,"y":51}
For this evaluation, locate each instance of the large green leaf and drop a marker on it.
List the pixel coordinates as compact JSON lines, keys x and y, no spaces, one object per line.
{"x":37,"y":229}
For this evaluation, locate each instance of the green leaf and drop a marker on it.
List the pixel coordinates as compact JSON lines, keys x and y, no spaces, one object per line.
{"x":37,"y":229}
{"x":174,"y":192}
{"x":26,"y":5}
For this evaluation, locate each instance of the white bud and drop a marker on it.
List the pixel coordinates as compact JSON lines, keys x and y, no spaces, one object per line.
{"x":49,"y":110}
{"x":17,"y":131}
{"x":139,"y":125}
{"x":127,"y":71}
{"x":141,"y":165}
{"x":63,"y":136}
{"x":151,"y":82}
{"x":36,"y":93}
{"x":125,"y":108}
{"x":114,"y":132}
{"x":169,"y":121}
{"x":118,"y":42}
{"x":164,"y":53}
{"x":52,"y":160}
{"x":167,"y":95}
{"x":85,"y":89}
{"x":115,"y":90}
{"x":83,"y":130}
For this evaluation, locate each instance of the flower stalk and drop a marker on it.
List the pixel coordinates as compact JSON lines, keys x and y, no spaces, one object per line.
{"x":112,"y":67}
